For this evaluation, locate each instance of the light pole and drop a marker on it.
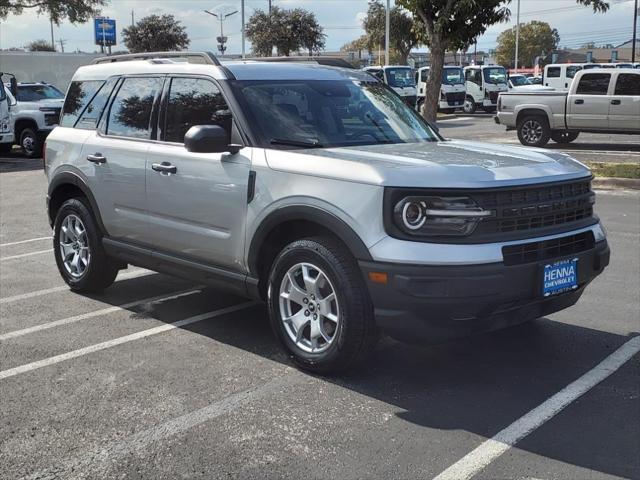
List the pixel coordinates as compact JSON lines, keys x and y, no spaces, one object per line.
{"x":518,"y":36}
{"x":222,"y":39}
{"x":387,"y":28}
{"x":636,"y":12}
{"x":242,"y":30}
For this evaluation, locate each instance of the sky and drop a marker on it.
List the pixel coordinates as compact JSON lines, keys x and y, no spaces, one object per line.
{"x":341,"y":20}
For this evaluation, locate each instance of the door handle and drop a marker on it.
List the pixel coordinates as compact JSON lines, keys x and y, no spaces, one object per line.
{"x":579,"y":101}
{"x":615,"y":102}
{"x":97,"y":158}
{"x":566,"y":85}
{"x":164,"y":167}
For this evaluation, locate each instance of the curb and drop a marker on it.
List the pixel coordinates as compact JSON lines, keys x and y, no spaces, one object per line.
{"x":613,"y":182}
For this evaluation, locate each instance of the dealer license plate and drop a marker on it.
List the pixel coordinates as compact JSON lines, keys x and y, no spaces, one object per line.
{"x":560,"y":276}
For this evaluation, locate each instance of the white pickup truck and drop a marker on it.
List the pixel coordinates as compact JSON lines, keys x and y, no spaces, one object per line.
{"x":599,"y":101}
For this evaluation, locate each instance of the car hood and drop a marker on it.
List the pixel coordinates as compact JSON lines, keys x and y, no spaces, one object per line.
{"x":51,"y":103}
{"x":531,"y":88}
{"x":444,"y":164}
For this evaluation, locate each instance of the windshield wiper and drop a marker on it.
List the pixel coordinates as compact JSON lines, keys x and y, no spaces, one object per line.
{"x":296,"y":143}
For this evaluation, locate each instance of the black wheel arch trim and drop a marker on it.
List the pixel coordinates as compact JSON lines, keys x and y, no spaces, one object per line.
{"x":69,"y":178}
{"x":310,"y":214}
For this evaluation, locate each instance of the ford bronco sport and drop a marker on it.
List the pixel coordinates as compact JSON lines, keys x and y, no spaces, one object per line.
{"x":318,"y":190}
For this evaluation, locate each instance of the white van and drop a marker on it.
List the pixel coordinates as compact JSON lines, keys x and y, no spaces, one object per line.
{"x":484,"y":84}
{"x":400,"y":78}
{"x":452,"y":91}
{"x":560,"y":75}
{"x":7,"y":100}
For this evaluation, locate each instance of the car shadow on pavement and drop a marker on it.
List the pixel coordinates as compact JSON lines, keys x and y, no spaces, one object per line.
{"x":484,"y":383}
{"x":17,"y":162}
{"x":603,"y":146}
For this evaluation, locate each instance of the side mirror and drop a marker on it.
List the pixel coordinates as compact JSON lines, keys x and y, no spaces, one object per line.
{"x":13,"y":87}
{"x":208,"y":139}
{"x":12,"y":100}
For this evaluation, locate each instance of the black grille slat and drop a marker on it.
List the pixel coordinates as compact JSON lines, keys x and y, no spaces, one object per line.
{"x":548,"y":249}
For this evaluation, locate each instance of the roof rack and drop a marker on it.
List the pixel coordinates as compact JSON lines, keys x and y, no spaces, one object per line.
{"x":206,"y":57}
{"x":328,"y":61}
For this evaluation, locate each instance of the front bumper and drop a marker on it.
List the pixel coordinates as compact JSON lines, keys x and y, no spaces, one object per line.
{"x":430,"y":304}
{"x":7,"y":138}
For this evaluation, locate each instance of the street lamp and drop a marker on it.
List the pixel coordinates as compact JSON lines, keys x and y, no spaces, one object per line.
{"x":221,"y":39}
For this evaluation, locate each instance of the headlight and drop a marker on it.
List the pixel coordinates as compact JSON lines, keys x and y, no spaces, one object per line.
{"x":426,"y":216}
{"x":4,"y":124}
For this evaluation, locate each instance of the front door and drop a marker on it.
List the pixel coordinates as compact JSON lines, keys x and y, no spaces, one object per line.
{"x":588,"y":108}
{"x":624,"y":110}
{"x":198,"y":211}
{"x":116,"y":154}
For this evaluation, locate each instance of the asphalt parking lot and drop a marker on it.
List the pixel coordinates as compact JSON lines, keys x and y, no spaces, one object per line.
{"x":158,"y":378}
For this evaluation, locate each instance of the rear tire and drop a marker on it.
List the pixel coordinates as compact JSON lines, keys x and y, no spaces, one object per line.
{"x":316,"y":291}
{"x":469,"y":105}
{"x":534,"y":131}
{"x":30,"y":144}
{"x":77,"y":246}
{"x":564,"y":137}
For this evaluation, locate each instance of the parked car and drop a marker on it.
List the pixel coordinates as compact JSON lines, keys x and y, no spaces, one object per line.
{"x":400,"y":78}
{"x":319,"y":191}
{"x":599,"y":101}
{"x":536,"y":80}
{"x":520,"y":83}
{"x":35,"y":114}
{"x":484,"y":84}
{"x":452,"y":90}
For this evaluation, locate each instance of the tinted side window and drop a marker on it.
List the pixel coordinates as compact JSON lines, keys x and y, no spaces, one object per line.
{"x":594,"y":84}
{"x":553,"y":72}
{"x":194,"y":101}
{"x":78,"y":96}
{"x":91,"y":115}
{"x":130,"y":113}
{"x":628,"y":84}
{"x":571,"y":71}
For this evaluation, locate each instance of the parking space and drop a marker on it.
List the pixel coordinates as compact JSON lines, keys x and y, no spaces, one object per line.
{"x":158,"y":377}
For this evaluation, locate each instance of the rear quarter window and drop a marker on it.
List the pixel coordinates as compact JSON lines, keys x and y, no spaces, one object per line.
{"x":553,"y":72}
{"x":78,"y":97}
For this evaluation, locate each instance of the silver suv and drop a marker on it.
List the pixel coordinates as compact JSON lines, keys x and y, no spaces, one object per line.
{"x":318,"y":190}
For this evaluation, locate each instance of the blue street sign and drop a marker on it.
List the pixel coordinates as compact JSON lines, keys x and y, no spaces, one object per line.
{"x":105,"y":31}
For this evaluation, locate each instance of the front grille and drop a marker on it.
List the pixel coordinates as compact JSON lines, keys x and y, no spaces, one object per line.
{"x":52,"y":117}
{"x":410,"y":100}
{"x":453,"y":97}
{"x":494,"y":96}
{"x":548,"y":249}
{"x":525,"y":211}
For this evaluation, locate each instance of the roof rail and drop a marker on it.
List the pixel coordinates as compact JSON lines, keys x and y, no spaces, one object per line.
{"x":328,"y":61}
{"x":207,"y":57}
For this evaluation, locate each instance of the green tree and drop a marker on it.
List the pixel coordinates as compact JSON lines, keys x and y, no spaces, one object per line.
{"x":357,"y":45}
{"x":403,"y":35}
{"x":286,"y":30}
{"x":75,"y":11}
{"x":155,"y":33}
{"x":452,"y":25}
{"x":40,"y":46}
{"x":535,"y":37}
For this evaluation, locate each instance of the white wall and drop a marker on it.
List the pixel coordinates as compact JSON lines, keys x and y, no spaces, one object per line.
{"x":50,"y":67}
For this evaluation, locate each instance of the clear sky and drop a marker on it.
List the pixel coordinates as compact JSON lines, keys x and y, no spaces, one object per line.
{"x":340,"y":18}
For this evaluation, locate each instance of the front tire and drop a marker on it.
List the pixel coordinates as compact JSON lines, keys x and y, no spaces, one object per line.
{"x":80,"y":257}
{"x":469,"y":105}
{"x":30,"y":144}
{"x":564,"y":137}
{"x":319,"y":306}
{"x":534,"y":131}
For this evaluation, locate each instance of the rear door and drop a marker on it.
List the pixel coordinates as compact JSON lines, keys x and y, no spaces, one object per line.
{"x":588,"y":107}
{"x":624,"y":108}
{"x":116,"y":154}
{"x":553,"y":77}
{"x":198,"y":211}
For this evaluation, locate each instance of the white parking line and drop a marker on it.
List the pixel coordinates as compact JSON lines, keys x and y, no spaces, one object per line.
{"x":76,"y":318}
{"x":24,"y":241}
{"x":478,"y":459}
{"x":28,"y":367}
{"x":457,"y":119}
{"x":97,"y":461}
{"x":22,"y":255}
{"x":46,"y":291}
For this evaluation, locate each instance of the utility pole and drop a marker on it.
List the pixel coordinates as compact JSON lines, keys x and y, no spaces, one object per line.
{"x":242,"y":29}
{"x":132,"y":19}
{"x":269,"y":7}
{"x":53,"y":43}
{"x":62,"y":41}
{"x":221,"y":39}
{"x":387,"y":28}
{"x":518,"y":36}
{"x":635,"y":32}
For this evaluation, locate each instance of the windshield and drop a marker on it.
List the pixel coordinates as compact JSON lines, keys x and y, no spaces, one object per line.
{"x":3,"y":95}
{"x":495,"y":75}
{"x":35,"y":93}
{"x":400,"y":77}
{"x":519,"y":80}
{"x":327,"y":113}
{"x":452,"y":76}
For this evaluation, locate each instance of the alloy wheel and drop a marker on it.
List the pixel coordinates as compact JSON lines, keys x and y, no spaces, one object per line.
{"x":309,"y":308}
{"x":28,"y":144}
{"x":532,"y":131}
{"x":74,"y":246}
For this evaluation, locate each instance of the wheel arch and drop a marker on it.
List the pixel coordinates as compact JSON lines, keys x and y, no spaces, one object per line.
{"x":287,"y":224}
{"x":22,"y":123}
{"x":65,"y":185}
{"x":535,"y":111}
